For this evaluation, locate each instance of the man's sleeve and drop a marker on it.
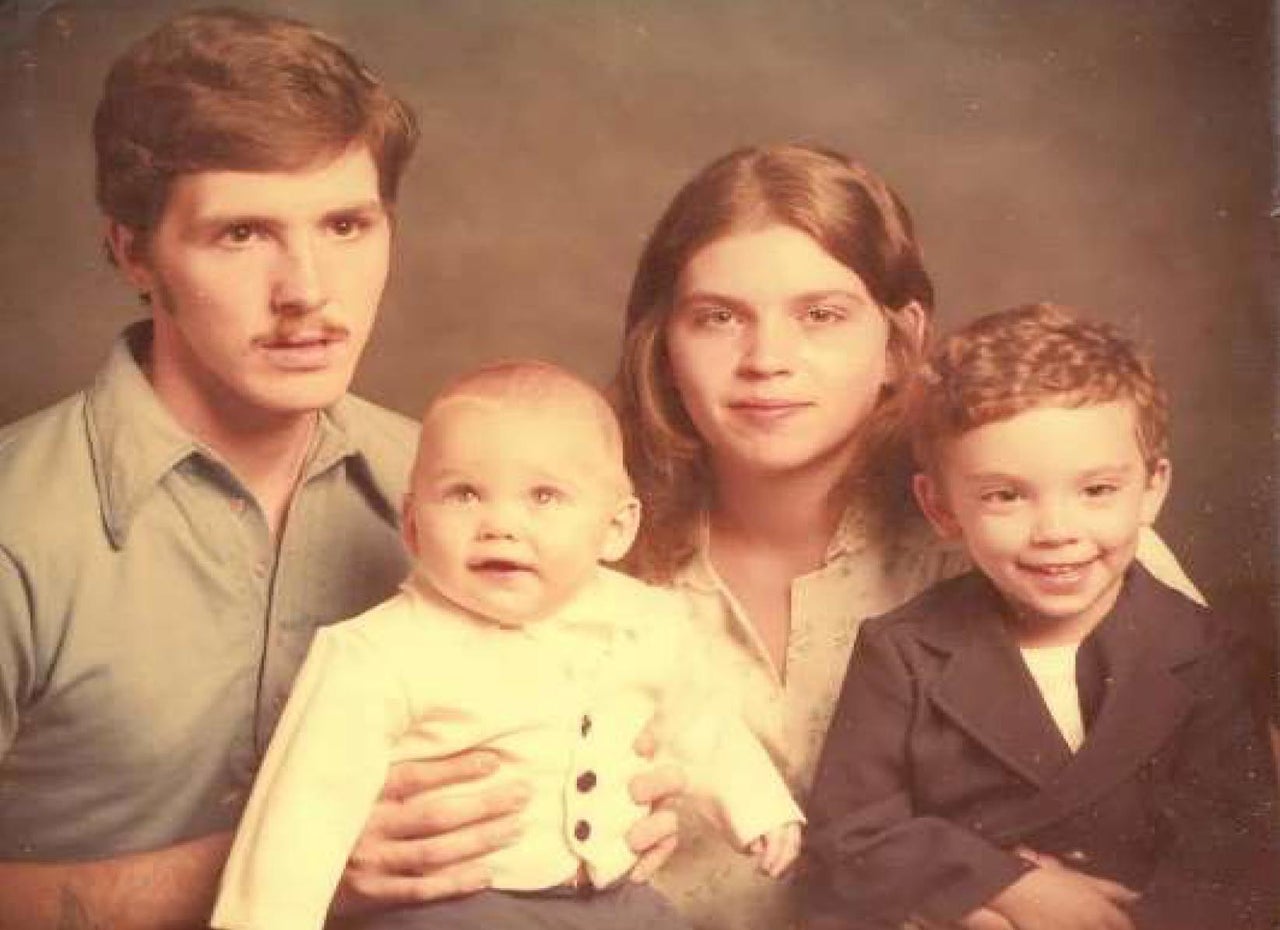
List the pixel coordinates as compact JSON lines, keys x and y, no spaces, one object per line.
{"x":876,"y":861}
{"x":17,"y":647}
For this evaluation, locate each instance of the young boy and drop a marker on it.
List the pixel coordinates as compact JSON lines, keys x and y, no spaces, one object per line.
{"x":509,"y":635}
{"x":1054,"y":740}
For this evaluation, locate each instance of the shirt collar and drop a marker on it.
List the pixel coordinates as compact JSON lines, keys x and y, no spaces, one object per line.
{"x":135,"y":442}
{"x":698,"y":574}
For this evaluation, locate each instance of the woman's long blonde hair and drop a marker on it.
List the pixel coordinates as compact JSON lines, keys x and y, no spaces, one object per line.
{"x":860,"y":221}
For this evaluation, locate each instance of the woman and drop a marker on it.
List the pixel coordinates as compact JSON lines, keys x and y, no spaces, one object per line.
{"x":775,"y":312}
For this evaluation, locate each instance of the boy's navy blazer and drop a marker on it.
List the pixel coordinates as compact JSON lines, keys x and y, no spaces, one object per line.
{"x":942,"y":758}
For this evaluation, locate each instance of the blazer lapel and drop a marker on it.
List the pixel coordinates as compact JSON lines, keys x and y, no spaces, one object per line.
{"x":987,"y":691}
{"x":1144,"y":703}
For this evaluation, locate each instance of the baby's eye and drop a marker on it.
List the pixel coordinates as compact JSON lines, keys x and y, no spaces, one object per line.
{"x":1000,"y":496}
{"x":546,"y":494}
{"x":461,"y":494}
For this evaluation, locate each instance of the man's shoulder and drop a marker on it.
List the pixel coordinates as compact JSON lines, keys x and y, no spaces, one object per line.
{"x":46,"y":469}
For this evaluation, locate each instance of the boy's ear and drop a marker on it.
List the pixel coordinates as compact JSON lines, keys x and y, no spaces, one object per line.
{"x":127,"y":250}
{"x":621,"y":531}
{"x":933,"y":502}
{"x":1156,"y":491}
{"x":409,"y":526}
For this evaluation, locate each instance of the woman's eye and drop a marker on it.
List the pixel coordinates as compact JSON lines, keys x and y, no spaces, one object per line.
{"x":823,"y":313}
{"x":716,"y":316}
{"x":1000,"y":496}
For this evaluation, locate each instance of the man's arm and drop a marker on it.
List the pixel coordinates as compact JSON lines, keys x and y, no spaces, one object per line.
{"x":164,"y":889}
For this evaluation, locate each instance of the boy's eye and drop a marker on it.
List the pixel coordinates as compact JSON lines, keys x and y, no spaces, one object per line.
{"x":1101,"y":489}
{"x":546,"y":494}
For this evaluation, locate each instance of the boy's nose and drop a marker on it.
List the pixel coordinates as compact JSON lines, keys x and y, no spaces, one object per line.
{"x":1055,"y":524}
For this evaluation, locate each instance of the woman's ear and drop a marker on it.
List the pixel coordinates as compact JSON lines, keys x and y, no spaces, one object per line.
{"x":621,"y":531}
{"x":932,"y":498}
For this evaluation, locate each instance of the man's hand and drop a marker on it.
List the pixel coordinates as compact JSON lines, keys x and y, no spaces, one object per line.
{"x":777,"y":849}
{"x":653,"y":837}
{"x":418,"y":846}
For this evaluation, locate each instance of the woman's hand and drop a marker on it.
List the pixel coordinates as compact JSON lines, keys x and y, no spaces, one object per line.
{"x":776,"y":849}
{"x":418,"y":846}
{"x":653,"y":838}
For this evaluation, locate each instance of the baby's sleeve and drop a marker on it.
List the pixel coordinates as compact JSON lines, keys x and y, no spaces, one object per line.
{"x":731,"y":777}
{"x":312,"y":796}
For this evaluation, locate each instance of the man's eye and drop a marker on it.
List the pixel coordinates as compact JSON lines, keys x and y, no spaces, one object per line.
{"x":346,"y":227}
{"x":239,"y":233}
{"x":1101,"y":489}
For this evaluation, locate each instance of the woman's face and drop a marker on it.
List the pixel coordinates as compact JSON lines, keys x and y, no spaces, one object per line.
{"x":778,"y":351}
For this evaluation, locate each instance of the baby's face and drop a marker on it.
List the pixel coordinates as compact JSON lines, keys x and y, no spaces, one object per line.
{"x":512,"y":507}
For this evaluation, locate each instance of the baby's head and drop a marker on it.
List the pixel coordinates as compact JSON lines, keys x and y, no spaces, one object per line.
{"x":1042,"y":442}
{"x":518,"y":491}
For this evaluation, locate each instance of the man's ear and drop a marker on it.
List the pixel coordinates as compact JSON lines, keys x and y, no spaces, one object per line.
{"x":409,"y":526}
{"x":621,"y":531}
{"x":933,"y":502}
{"x":1156,"y":491}
{"x":129,"y":253}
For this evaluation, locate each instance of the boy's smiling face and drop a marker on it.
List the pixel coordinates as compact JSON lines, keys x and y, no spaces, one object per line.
{"x":514,"y":505}
{"x":1049,"y":503}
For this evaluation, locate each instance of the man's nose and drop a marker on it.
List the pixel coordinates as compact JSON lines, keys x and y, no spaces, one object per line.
{"x":300,"y":278}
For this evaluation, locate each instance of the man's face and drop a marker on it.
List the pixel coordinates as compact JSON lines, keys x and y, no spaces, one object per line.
{"x":512,"y":507}
{"x":264,"y":286}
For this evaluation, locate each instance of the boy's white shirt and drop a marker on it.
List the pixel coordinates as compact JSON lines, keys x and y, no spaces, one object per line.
{"x":415,"y":677}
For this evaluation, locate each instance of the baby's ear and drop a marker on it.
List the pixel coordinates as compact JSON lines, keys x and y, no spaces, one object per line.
{"x":621,"y":531}
{"x":409,"y":526}
{"x":933,"y":501}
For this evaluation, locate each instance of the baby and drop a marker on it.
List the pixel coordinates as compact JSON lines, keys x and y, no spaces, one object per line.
{"x":509,"y":636}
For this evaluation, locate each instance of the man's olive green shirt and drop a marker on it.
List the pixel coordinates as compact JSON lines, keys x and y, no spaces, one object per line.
{"x":150,"y":627}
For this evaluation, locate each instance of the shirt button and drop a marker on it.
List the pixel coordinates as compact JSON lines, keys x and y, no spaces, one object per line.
{"x":581,"y":831}
{"x":586,"y":725}
{"x":586,"y":781}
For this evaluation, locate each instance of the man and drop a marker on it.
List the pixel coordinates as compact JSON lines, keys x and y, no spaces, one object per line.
{"x":173,"y":535}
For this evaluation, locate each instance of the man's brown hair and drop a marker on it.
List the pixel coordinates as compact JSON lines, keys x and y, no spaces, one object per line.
{"x":226,"y":89}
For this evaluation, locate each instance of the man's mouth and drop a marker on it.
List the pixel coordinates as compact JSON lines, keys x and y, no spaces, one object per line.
{"x":305,"y":350}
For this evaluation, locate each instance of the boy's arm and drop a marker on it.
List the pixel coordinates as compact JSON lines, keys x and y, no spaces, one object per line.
{"x":1220,"y":811}
{"x":876,"y":859}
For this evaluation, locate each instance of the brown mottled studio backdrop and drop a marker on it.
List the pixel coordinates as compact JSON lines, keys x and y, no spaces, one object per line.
{"x":1111,"y":155}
